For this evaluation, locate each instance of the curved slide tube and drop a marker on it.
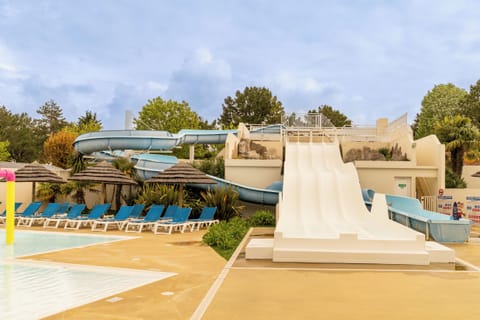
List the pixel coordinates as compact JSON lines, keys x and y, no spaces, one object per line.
{"x":148,"y":165}
{"x":145,"y":140}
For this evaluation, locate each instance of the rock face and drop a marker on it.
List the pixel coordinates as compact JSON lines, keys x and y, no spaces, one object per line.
{"x":248,"y":149}
{"x":366,"y":153}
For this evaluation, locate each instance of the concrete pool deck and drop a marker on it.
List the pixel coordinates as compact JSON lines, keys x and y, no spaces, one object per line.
{"x":261,"y":291}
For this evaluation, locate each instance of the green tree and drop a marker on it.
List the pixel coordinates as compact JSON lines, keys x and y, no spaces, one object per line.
{"x":442,"y":101}
{"x":52,"y":119}
{"x":20,"y":131}
{"x":128,"y":168}
{"x":458,"y":134}
{"x":253,"y":106}
{"x":170,"y":115}
{"x":4,"y":154}
{"x":337,"y":118}
{"x":88,"y":123}
{"x":470,"y":105}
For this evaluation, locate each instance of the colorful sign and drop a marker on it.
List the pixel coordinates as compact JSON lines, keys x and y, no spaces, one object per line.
{"x":473,"y":208}
{"x":444,"y":204}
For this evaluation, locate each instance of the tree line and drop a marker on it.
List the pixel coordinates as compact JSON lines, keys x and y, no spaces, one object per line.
{"x":453,"y":115}
{"x":50,"y":137}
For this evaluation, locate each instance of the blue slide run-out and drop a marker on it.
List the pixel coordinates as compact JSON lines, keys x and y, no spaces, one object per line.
{"x":147,"y":165}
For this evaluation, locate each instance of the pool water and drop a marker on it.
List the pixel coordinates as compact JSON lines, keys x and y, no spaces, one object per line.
{"x":33,"y":242}
{"x":32,"y":289}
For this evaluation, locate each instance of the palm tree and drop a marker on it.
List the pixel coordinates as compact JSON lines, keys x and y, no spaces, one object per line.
{"x":78,"y":189}
{"x":458,"y":134}
{"x":127,"y":167}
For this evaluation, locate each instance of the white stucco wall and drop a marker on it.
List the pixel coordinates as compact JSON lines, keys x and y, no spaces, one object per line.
{"x":253,"y":173}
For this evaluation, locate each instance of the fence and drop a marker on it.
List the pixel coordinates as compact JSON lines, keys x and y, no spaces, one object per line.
{"x":429,"y":203}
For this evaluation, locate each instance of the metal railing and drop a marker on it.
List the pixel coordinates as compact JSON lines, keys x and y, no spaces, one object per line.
{"x":429,"y":203}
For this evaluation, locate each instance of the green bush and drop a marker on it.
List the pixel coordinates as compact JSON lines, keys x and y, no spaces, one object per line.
{"x":452,"y":180}
{"x":386,"y":153}
{"x":225,"y":198}
{"x":158,"y":194}
{"x":213,"y":167}
{"x":225,"y":237}
{"x":262,"y":218}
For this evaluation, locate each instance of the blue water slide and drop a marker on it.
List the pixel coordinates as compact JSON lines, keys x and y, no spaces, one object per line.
{"x":434,"y":225}
{"x":249,"y":194}
{"x":147,"y":165}
{"x":145,"y":140}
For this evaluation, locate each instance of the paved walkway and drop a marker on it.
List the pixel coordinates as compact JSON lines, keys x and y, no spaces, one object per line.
{"x":266,"y":291}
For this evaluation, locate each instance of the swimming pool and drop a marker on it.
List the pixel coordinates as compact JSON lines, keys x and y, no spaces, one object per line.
{"x":33,"y":242}
{"x":32,"y":289}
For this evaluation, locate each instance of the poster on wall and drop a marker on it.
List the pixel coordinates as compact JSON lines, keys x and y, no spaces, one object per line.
{"x":444,"y":204}
{"x":473,"y":208}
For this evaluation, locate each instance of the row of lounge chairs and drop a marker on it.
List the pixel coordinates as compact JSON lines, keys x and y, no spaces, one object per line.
{"x":158,"y":219}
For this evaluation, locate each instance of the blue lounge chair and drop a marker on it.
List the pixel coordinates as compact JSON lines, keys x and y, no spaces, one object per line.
{"x":64,"y":208}
{"x":73,"y":213}
{"x":179,"y":222}
{"x":29,"y":211}
{"x":153,"y":215}
{"x":206,"y":219}
{"x":117,"y":221}
{"x":169,"y":213}
{"x":50,"y":210}
{"x":96,"y":213}
{"x":3,"y":216}
{"x":137,"y":210}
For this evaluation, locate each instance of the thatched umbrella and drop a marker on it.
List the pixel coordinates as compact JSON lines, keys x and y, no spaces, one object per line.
{"x":103,"y":173}
{"x":36,"y":172}
{"x":181,"y":174}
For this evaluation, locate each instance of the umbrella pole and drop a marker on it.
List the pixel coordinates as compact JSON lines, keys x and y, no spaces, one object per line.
{"x":104,"y":192}
{"x":180,"y":195}
{"x":33,"y":191}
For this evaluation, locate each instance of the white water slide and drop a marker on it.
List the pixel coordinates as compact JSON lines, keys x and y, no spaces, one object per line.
{"x":322,"y":217}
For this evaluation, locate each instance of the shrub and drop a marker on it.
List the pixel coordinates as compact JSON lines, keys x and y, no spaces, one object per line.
{"x":386,"y":153}
{"x":262,"y":218}
{"x":213,"y":167}
{"x":452,"y":180}
{"x":225,"y":237}
{"x":158,"y":194}
{"x":225,"y":199}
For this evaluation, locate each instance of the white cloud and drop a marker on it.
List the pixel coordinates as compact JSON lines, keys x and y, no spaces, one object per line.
{"x":153,"y":85}
{"x":9,"y":69}
{"x":203,"y":80}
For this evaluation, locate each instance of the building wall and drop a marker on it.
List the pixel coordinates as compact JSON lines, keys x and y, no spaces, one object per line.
{"x":253,"y":173}
{"x":23,"y":193}
{"x":430,"y":152}
{"x":472,"y":182}
{"x":384,"y":176}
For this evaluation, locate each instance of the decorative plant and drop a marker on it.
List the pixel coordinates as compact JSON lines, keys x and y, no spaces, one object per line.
{"x":48,"y":192}
{"x":225,"y":198}
{"x":262,"y":218}
{"x":224,"y":237}
{"x":213,"y":167}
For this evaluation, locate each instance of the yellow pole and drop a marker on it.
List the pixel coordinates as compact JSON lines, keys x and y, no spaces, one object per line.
{"x":10,"y":214}
{"x":10,"y":205}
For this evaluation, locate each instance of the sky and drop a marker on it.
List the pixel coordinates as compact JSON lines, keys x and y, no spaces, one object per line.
{"x":369,"y":59}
